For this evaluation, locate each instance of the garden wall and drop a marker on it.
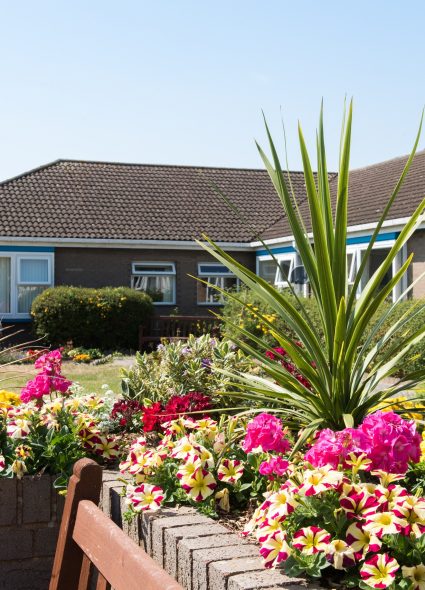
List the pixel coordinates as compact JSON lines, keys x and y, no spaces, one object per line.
{"x":200,"y":553}
{"x":30,"y":513}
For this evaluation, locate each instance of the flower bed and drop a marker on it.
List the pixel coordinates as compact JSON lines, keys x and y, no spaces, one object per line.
{"x":338,"y":511}
{"x":42,"y":433}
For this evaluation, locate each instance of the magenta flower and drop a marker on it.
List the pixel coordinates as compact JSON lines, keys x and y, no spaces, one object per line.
{"x":266,"y":434}
{"x":275,"y":466}
{"x":392,"y":441}
{"x":48,"y":380}
{"x":388,"y":440}
{"x":332,"y":448}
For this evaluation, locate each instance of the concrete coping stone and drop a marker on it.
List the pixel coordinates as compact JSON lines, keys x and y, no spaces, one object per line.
{"x":197,"y":551}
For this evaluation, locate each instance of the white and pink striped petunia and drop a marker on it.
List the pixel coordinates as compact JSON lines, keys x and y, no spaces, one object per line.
{"x":340,"y":554}
{"x":281,"y":503}
{"x":191,"y":463}
{"x":230,"y":470}
{"x":145,"y":497}
{"x":2,"y":463}
{"x":311,"y":540}
{"x":275,"y":549}
{"x":18,"y":428}
{"x":361,"y":541}
{"x":200,"y":486}
{"x":358,"y":504}
{"x":384,"y":523}
{"x":320,"y":480}
{"x":379,"y":571}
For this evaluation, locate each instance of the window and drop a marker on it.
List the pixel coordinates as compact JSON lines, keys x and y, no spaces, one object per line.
{"x":283,"y":274}
{"x":377,"y":256}
{"x":277,"y":270}
{"x":267,"y":270}
{"x":33,"y":278}
{"x":22,"y":278}
{"x":5,"y":285}
{"x":218,"y":276}
{"x":157,"y":279}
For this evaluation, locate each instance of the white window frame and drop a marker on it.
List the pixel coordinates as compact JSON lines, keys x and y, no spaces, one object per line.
{"x":15,"y":272}
{"x":167,"y":273}
{"x":284,"y":257}
{"x":358,"y":249}
{"x":207,"y":274}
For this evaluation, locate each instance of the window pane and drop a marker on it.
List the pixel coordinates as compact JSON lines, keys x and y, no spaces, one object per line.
{"x":26,"y":295}
{"x":376,"y":258}
{"x":34,"y":270}
{"x":283,"y":275}
{"x":209,"y":269}
{"x":154,"y":268}
{"x":4,"y":285}
{"x":267,"y":270}
{"x":207,"y":293}
{"x":160,"y":288}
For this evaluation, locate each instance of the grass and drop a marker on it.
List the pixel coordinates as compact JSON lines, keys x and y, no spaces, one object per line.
{"x":91,"y":377}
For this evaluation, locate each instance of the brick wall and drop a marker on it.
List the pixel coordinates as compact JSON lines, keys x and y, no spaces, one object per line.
{"x":30,"y":512}
{"x":195,"y":550}
{"x":111,"y":267}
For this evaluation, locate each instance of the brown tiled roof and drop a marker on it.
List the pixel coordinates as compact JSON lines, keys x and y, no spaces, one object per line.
{"x":369,"y":191}
{"x":98,"y":200}
{"x":70,"y":199}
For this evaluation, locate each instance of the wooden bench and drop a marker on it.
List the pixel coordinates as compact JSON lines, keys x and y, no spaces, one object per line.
{"x":177,"y":327}
{"x":89,"y":543}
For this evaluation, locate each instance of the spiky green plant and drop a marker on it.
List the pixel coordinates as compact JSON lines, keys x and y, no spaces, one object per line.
{"x":345,"y":373}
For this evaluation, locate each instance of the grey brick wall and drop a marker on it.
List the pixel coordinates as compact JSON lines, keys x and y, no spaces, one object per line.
{"x":111,"y":267}
{"x":200,"y":553}
{"x":30,"y":513}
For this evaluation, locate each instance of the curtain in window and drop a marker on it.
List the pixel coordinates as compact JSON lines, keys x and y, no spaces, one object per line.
{"x":160,"y":287}
{"x":34,"y":271}
{"x":26,"y":295}
{"x":165,"y":286}
{"x":4,"y":285}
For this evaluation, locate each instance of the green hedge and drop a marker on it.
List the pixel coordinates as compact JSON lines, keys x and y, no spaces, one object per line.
{"x":237,"y":314}
{"x":107,"y":318}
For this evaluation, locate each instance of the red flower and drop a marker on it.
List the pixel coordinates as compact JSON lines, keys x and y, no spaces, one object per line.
{"x":152,"y":417}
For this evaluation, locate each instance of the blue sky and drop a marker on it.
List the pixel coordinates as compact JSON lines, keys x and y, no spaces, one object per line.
{"x":184,"y":81}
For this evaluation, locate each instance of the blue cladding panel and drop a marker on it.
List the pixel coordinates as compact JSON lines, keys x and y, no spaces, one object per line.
{"x":354,"y":240}
{"x":26,"y":249}
{"x":282,"y":250}
{"x":366,"y":239}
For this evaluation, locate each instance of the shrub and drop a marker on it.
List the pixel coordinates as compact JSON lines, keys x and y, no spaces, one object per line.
{"x":344,"y":371}
{"x":107,"y":318}
{"x":181,"y":367}
{"x":242,"y":317}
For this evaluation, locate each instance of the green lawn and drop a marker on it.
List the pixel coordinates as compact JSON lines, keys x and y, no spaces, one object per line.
{"x":91,"y":377}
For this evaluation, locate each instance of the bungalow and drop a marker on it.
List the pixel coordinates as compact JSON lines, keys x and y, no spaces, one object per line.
{"x":97,"y":224}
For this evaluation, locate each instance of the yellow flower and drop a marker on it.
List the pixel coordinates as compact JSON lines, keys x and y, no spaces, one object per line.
{"x":8,"y":399}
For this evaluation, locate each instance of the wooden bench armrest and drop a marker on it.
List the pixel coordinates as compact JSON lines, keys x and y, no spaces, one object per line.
{"x":120,"y":561}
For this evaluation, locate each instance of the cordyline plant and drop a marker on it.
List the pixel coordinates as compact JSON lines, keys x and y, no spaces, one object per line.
{"x":342,"y":366}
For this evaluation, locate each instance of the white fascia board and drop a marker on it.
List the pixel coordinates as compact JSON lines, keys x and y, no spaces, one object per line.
{"x":131,"y":244}
{"x":352,"y":230}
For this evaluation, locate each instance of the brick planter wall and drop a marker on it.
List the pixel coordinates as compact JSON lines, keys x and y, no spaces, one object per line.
{"x":30,"y":513}
{"x":199,"y":553}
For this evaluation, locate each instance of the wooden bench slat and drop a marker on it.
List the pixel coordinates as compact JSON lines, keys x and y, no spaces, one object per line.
{"x":176,"y":327}
{"x":124,"y":564}
{"x":85,"y":483}
{"x":102,"y":583}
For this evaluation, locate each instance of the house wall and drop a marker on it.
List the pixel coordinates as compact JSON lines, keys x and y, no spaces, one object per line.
{"x":416,"y":244}
{"x":107,"y":267}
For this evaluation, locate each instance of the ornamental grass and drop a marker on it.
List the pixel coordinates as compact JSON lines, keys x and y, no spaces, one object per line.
{"x":342,"y":371}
